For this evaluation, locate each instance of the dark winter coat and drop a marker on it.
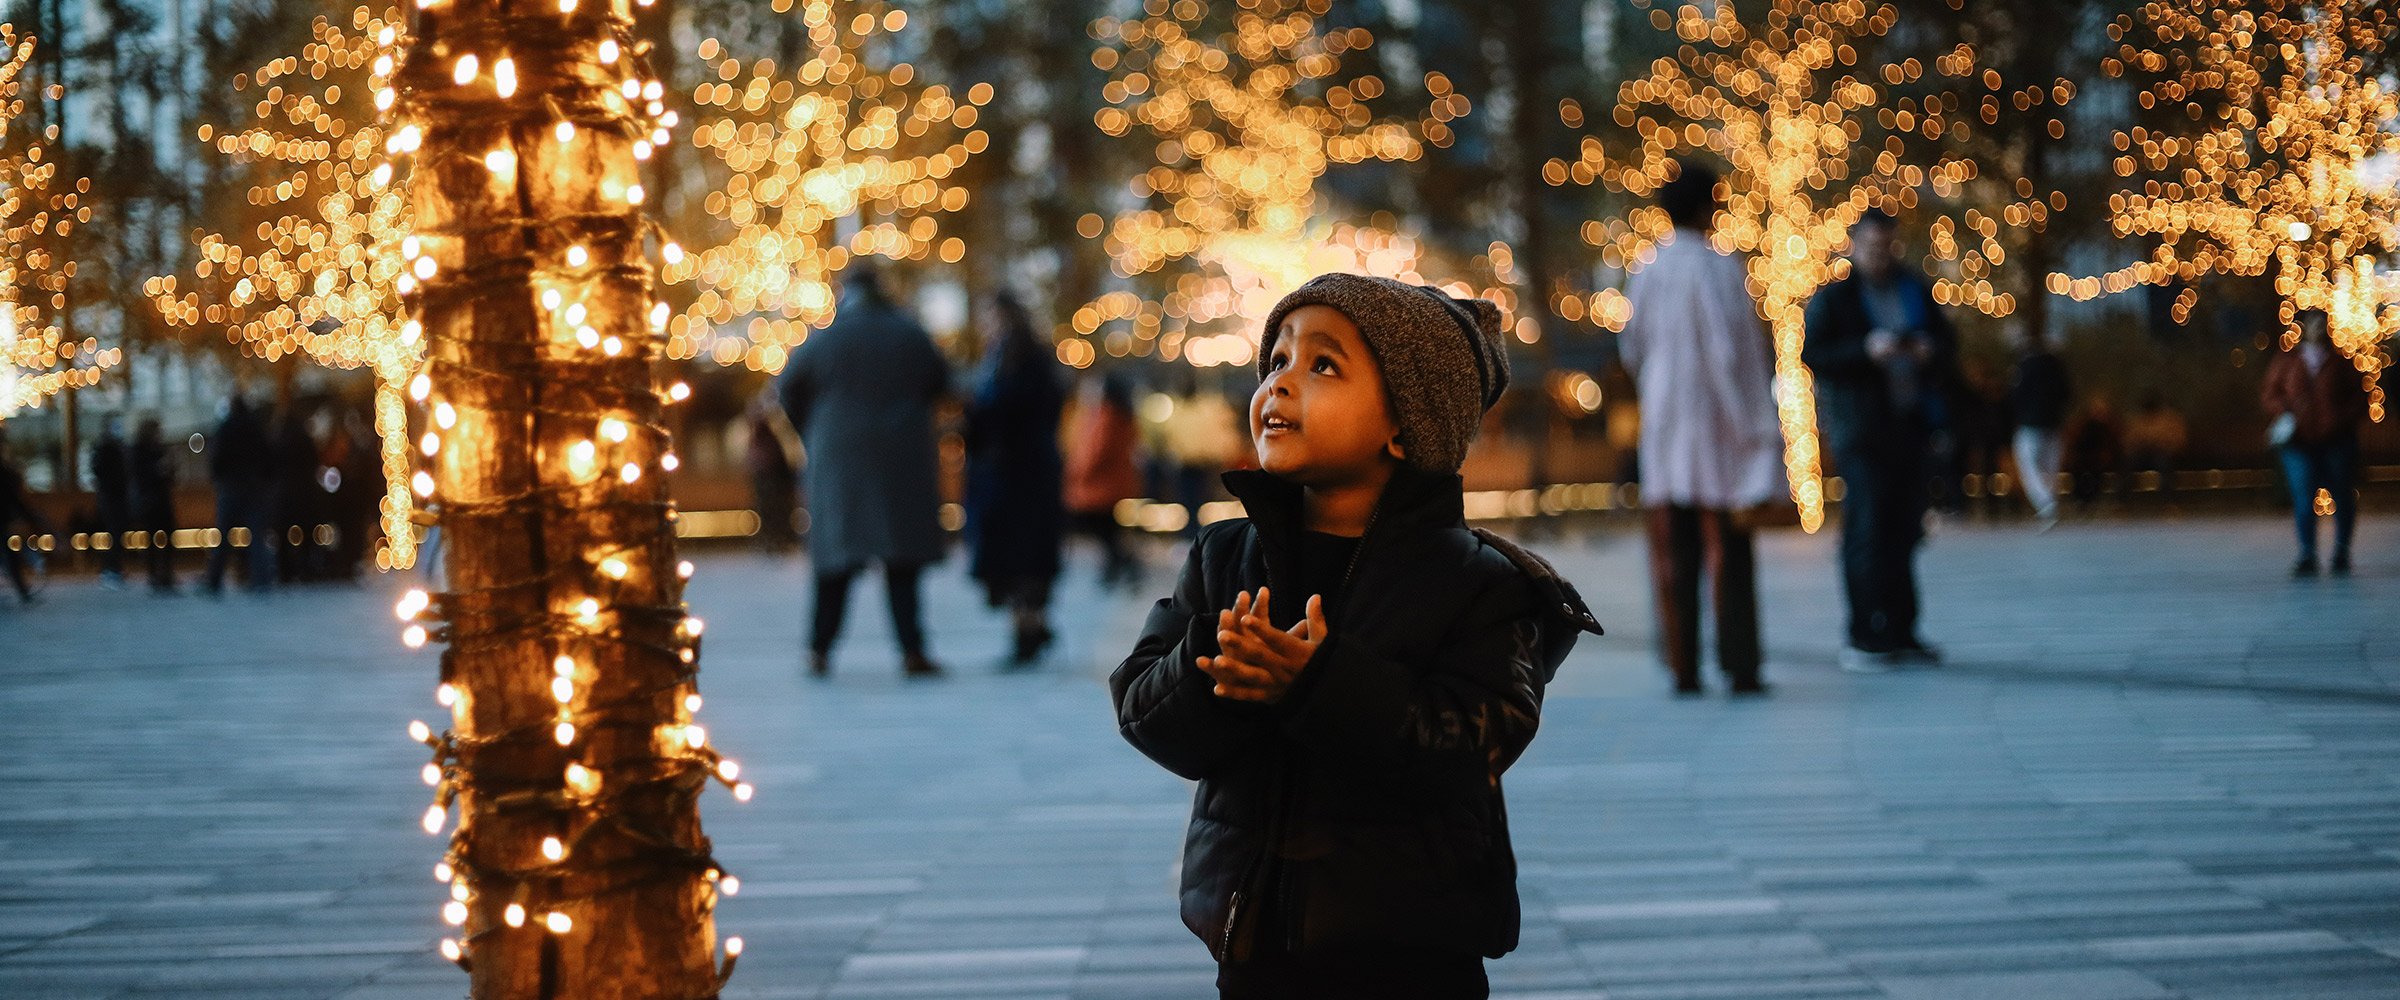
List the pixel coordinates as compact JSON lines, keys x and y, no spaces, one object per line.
{"x":861,"y":394}
{"x":1014,"y":511}
{"x":1855,"y":405}
{"x":2038,"y":398}
{"x":1365,"y":806}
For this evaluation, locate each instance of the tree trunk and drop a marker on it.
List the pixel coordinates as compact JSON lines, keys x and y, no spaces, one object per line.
{"x":563,"y":596}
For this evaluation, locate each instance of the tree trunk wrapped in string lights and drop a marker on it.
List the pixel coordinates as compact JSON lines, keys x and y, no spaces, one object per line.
{"x":578,"y":867}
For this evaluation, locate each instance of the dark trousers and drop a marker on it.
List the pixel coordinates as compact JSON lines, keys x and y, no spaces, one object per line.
{"x":900,"y":587}
{"x":2332,"y":467}
{"x":115,"y":519}
{"x":1358,"y":975}
{"x":1883,"y":519}
{"x":244,"y":506}
{"x":158,"y":523}
{"x":1684,"y":543}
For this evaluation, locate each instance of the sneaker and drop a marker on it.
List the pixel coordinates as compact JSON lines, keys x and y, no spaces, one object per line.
{"x":2306,"y":567}
{"x":1866,"y":661}
{"x":917,"y":666}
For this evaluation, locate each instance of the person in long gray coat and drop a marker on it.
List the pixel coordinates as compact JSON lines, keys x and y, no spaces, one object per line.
{"x":861,"y":393}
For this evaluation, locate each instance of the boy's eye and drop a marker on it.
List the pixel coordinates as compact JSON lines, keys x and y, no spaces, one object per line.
{"x":1277,"y":360}
{"x":1324,"y":365}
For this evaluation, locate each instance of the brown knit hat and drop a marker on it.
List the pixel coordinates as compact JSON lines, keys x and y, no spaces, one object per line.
{"x":1444,"y":359}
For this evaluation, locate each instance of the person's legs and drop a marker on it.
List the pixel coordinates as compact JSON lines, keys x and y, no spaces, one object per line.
{"x":1733,"y":574}
{"x":1906,"y":500}
{"x":2339,"y":473}
{"x":265,"y":539}
{"x":229,"y":517}
{"x":1861,"y":549}
{"x":2299,"y":476}
{"x":16,"y":571}
{"x":832,"y":599}
{"x":1675,"y":583}
{"x":161,"y":552}
{"x":2037,"y":470}
{"x":900,"y":584}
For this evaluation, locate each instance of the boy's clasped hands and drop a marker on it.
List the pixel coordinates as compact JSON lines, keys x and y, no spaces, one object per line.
{"x":1257,"y":661}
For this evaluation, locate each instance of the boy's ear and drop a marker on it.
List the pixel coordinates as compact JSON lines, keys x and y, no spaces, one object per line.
{"x":1394,"y":449}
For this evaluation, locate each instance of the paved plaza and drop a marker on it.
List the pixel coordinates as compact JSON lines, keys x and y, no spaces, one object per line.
{"x":2155,"y":768}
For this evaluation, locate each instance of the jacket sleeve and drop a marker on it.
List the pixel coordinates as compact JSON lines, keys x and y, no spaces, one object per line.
{"x":2273,"y":395}
{"x":1829,"y":350}
{"x":1473,"y":709}
{"x":797,"y":393}
{"x":1166,"y":707}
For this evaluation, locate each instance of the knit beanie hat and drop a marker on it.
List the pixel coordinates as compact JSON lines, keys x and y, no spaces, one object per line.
{"x":1444,"y":360}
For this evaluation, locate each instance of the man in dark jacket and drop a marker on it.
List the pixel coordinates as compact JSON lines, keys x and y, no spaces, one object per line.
{"x":861,"y":394}
{"x":1349,"y":837}
{"x":112,"y":495}
{"x":241,"y":462}
{"x":150,"y":470}
{"x":1881,"y":352}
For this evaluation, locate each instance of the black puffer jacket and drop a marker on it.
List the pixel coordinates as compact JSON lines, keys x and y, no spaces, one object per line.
{"x":1364,"y":809}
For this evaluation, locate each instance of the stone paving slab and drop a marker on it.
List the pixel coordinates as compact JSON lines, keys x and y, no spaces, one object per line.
{"x":2155,"y":769}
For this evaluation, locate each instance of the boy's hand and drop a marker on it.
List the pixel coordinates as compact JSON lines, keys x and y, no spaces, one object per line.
{"x":1259,"y":662}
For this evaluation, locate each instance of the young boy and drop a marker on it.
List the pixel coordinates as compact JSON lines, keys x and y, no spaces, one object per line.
{"x":1348,"y":670}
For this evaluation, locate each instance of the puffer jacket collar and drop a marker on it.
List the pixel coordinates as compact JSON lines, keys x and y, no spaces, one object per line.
{"x":1416,"y":501}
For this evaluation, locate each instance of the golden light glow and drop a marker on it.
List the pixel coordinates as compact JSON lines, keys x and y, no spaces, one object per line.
{"x":822,"y":162}
{"x":1783,"y":103}
{"x":38,"y":209}
{"x":2273,"y":177}
{"x":313,"y":266}
{"x":1246,"y":119}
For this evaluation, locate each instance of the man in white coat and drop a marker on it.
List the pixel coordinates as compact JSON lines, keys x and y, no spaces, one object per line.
{"x":1711,"y":449}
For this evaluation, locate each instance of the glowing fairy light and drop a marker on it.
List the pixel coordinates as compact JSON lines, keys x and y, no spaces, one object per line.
{"x":798,"y":160}
{"x":1247,"y":114}
{"x":2277,"y":175}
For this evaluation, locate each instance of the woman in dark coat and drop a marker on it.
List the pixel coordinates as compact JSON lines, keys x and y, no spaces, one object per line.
{"x":1014,"y":511}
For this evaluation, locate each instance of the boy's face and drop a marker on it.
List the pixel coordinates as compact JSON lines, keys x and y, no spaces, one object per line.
{"x":1320,"y":417}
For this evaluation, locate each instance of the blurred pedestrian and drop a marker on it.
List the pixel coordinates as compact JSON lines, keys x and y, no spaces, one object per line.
{"x":112,"y":494}
{"x":774,"y":484}
{"x":861,"y":393}
{"x":2155,"y":437}
{"x":353,"y":469}
{"x":241,"y":464}
{"x":2095,"y":450}
{"x":1712,"y":449}
{"x":1880,"y":349}
{"x":2037,"y":397}
{"x":1101,"y":472}
{"x":1200,"y":439}
{"x":16,"y":507}
{"x":1979,"y":412}
{"x":150,"y":470}
{"x":1015,"y":515}
{"x":2317,"y":400}
{"x":300,"y":496}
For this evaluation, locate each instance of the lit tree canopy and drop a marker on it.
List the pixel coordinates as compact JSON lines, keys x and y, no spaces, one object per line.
{"x":2280,"y":112}
{"x":37,"y":211}
{"x":1247,"y":115}
{"x":1780,"y":100}
{"x":822,"y":162}
{"x":313,"y":263}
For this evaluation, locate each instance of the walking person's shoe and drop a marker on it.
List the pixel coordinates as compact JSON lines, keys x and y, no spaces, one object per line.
{"x":820,"y":664}
{"x":1688,"y":687}
{"x":2306,"y":567}
{"x":1030,"y":643}
{"x":1748,"y":687}
{"x":2341,"y":564}
{"x":1869,"y":661}
{"x":1918,"y":653}
{"x":919,"y":667}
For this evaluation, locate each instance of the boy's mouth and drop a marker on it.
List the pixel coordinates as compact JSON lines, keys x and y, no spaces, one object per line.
{"x":1272,"y":424}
